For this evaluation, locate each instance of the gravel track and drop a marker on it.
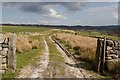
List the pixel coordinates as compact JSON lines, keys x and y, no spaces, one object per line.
{"x":41,"y":69}
{"x":35,"y":71}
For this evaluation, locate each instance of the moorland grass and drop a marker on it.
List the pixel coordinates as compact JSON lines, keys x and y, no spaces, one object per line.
{"x":23,"y":29}
{"x":96,"y":34}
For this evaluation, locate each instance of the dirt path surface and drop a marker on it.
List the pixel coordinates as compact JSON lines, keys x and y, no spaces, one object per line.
{"x":45,"y":68}
{"x":56,"y":66}
{"x":71,"y":68}
{"x":71,"y":71}
{"x":35,"y":71}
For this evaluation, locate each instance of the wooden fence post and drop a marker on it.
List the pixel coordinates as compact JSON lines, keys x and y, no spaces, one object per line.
{"x":12,"y":53}
{"x":103,"y":56}
{"x":98,"y":55}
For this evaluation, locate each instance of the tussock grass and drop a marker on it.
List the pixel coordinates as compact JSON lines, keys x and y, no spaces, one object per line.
{"x":86,"y":45}
{"x":68,"y":31}
{"x":22,"y":44}
{"x":25,"y":44}
{"x":35,"y":44}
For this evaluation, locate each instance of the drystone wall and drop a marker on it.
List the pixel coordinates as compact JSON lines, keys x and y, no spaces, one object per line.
{"x":7,"y":52}
{"x":107,"y":55}
{"x":112,"y":55}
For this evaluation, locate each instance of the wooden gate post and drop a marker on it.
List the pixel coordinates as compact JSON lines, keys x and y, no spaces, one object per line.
{"x":103,"y":56}
{"x":12,"y":53}
{"x":98,"y":55}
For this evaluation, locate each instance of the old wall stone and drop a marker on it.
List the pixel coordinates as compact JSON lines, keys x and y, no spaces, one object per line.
{"x":113,"y":56}
{"x":7,"y":52}
{"x":112,"y":64}
{"x":111,"y":49}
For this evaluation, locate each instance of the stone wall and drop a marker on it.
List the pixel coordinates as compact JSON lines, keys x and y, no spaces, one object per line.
{"x":7,"y":52}
{"x":113,"y":56}
{"x":107,"y":56}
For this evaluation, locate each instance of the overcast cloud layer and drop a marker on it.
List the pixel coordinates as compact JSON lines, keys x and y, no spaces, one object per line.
{"x":60,"y":0}
{"x":45,"y":8}
{"x":85,"y":13}
{"x":40,"y":7}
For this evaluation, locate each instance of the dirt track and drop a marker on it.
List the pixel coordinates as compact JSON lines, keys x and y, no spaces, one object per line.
{"x":71,"y":69}
{"x":42,"y":68}
{"x":35,"y":71}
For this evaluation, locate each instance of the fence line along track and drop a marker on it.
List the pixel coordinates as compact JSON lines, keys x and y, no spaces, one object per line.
{"x":69,"y":55}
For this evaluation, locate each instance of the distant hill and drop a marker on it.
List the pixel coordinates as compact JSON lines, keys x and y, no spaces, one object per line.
{"x":110,"y":29}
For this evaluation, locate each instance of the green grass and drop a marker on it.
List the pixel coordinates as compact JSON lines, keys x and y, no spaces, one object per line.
{"x":54,"y":52}
{"x":23,"y":29}
{"x":24,"y":59}
{"x":41,"y":29}
{"x":35,"y":37}
{"x":55,"y":57}
{"x":96,"y":34}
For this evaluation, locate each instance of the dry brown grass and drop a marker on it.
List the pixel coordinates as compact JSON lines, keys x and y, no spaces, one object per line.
{"x":69,"y":31}
{"x":35,"y":44}
{"x":23,"y":43}
{"x":87,"y":45}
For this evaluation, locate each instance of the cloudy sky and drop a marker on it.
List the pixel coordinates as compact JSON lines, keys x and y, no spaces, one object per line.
{"x":70,"y":13}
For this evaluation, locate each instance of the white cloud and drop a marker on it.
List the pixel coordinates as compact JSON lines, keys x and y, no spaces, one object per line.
{"x":53,"y":13}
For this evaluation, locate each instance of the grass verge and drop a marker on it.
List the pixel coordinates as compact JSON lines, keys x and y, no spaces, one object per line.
{"x":24,"y":59}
